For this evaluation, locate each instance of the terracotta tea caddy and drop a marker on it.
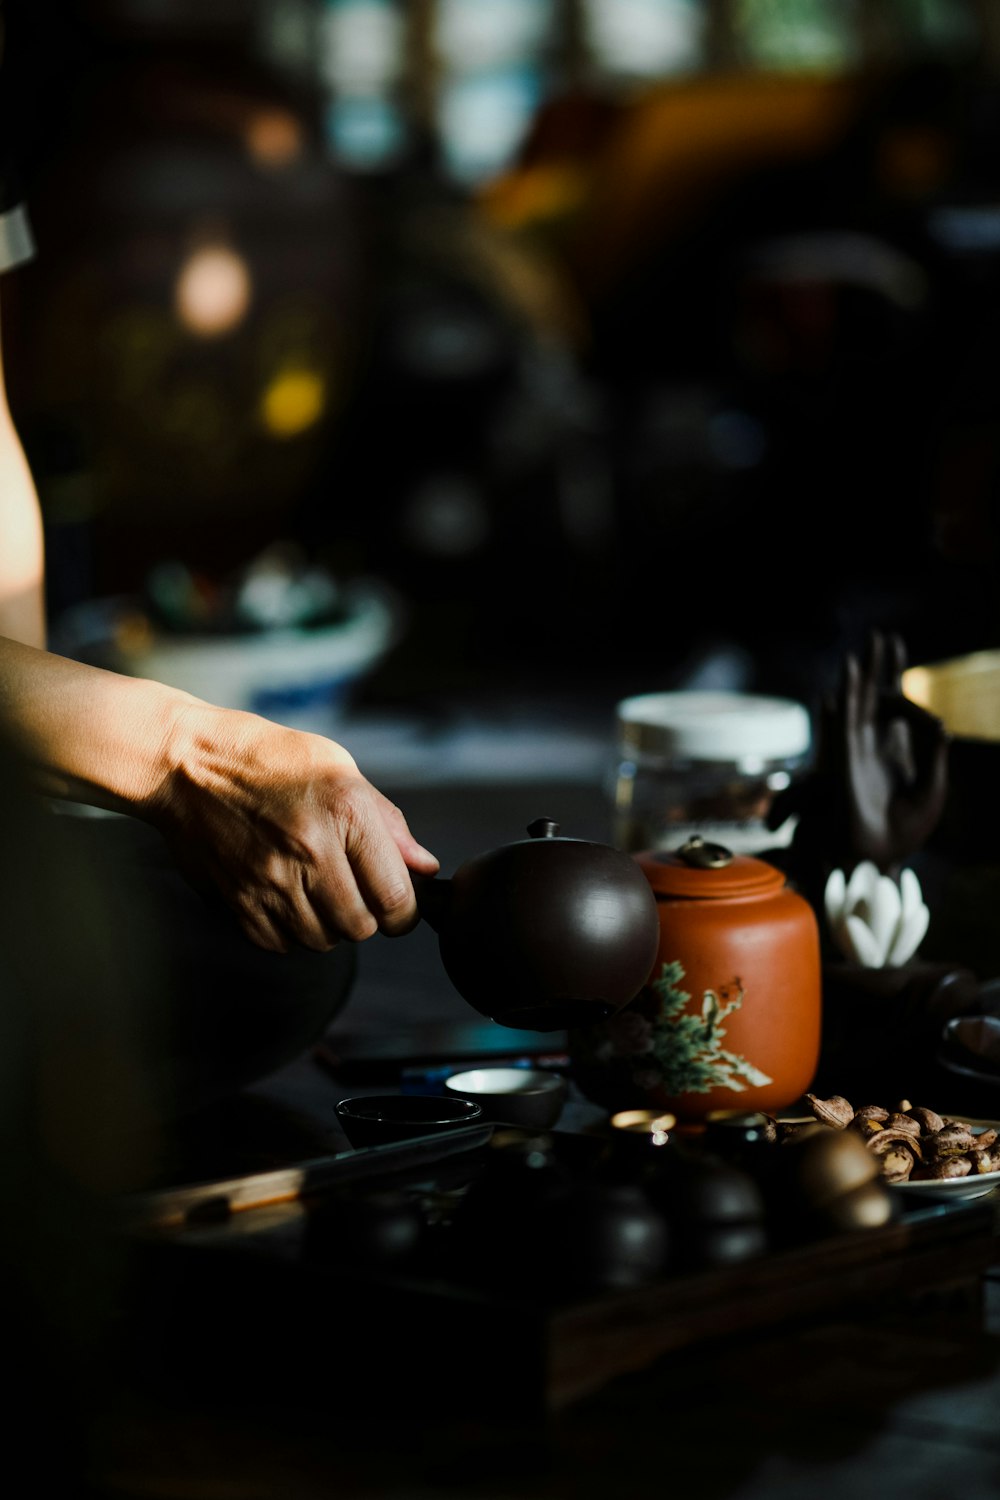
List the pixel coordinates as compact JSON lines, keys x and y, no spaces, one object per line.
{"x":544,"y":933}
{"x":730,"y":1015}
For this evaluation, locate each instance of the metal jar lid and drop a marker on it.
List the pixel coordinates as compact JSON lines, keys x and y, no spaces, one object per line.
{"x":734,"y":727}
{"x":708,"y":872}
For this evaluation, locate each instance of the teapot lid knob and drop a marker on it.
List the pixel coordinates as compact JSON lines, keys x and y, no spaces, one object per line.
{"x":701,"y":855}
{"x":543,"y":828}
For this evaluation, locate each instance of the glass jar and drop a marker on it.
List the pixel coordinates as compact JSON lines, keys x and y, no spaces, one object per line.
{"x":708,"y":763}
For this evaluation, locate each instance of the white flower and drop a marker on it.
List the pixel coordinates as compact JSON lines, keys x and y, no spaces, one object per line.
{"x":873,"y":920}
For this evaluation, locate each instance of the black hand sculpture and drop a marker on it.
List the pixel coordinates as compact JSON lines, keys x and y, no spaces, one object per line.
{"x":879,"y":781}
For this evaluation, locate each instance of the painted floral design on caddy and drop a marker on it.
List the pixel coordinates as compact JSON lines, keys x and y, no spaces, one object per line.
{"x":665,"y":1047}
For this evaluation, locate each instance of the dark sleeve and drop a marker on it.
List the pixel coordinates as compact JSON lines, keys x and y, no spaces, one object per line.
{"x":16,"y":244}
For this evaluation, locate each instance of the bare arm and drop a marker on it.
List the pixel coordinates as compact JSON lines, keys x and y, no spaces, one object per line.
{"x":22,"y":605}
{"x":281,"y":823}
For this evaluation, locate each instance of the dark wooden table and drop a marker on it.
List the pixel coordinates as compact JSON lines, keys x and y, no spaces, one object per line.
{"x":901,"y":1400}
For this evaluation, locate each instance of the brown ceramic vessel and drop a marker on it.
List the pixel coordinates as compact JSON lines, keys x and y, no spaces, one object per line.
{"x":730,"y":1015}
{"x":544,"y":933}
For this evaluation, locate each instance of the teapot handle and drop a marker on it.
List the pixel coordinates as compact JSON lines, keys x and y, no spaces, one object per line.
{"x":433,"y":896}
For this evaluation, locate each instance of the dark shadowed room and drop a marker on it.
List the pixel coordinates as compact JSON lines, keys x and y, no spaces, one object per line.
{"x":500,"y":748}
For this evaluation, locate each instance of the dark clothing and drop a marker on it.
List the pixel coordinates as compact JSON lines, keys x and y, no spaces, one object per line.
{"x":213,"y":1012}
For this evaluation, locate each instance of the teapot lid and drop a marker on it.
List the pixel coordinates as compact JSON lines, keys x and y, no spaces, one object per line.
{"x":708,"y":871}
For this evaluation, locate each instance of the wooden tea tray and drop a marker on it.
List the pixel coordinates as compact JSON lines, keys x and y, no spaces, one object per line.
{"x":222,"y":1284}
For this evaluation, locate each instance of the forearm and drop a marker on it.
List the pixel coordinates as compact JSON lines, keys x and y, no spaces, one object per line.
{"x":280,"y":822}
{"x":90,"y":735}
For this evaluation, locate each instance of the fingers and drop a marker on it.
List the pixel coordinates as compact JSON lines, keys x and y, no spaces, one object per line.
{"x":383,"y":879}
{"x":931,"y":741}
{"x":360,"y":886}
{"x":414,"y":854}
{"x":358,"y":882}
{"x":852,"y":695}
{"x":262,"y":930}
{"x":287,"y":830}
{"x":896,"y":662}
{"x":872,"y":676}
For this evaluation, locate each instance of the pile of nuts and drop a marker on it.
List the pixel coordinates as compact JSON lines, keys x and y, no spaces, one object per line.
{"x":911,"y":1143}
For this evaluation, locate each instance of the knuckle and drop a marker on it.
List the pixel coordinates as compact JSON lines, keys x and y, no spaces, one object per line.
{"x":397,"y":905}
{"x":360,"y":926}
{"x":318,"y":944}
{"x":351,"y":799}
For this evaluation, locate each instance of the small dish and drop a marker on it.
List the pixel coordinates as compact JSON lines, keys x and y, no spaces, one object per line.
{"x":952,"y":1187}
{"x":372,"y":1119}
{"x":529,"y":1097}
{"x":973,"y":1186}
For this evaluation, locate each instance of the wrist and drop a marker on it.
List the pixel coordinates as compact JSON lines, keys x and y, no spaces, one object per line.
{"x":183,"y":740}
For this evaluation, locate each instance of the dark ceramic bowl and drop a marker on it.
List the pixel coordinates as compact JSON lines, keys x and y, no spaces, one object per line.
{"x":532,"y":1098}
{"x":377,"y":1118}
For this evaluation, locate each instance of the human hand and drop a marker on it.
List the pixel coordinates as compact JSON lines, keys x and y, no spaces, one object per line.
{"x":285,"y":827}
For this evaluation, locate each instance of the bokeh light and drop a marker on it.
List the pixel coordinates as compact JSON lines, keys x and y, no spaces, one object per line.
{"x":213,"y":290}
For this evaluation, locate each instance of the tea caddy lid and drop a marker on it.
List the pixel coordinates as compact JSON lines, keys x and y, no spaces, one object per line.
{"x":707,"y":871}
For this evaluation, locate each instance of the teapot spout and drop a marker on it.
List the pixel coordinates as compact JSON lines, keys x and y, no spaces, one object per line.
{"x":434,"y":899}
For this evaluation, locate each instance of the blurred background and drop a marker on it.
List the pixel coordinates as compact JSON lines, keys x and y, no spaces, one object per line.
{"x":563,"y":348}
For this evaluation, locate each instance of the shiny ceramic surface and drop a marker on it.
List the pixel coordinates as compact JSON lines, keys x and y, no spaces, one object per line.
{"x":528,"y":1097}
{"x":544,"y":933}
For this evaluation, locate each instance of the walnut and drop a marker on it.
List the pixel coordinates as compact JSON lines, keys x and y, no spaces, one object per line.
{"x":907,"y":1141}
{"x":792,"y":1130}
{"x":833,"y":1111}
{"x":872,"y":1112}
{"x":887,"y":1140}
{"x":898,"y":1162}
{"x":953,"y":1140}
{"x":946,"y":1167}
{"x":928,"y":1121}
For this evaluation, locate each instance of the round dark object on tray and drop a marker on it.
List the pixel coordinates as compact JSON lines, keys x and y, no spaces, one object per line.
{"x":714,"y":1192}
{"x":500,"y":1233}
{"x":717,"y":1211}
{"x":529,"y":1097}
{"x":544,"y":933}
{"x":725,"y":1244}
{"x":383,"y":1228}
{"x":374,"y":1119}
{"x":609,"y":1236}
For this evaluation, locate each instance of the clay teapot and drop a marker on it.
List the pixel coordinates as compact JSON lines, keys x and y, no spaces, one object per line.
{"x":544,"y":933}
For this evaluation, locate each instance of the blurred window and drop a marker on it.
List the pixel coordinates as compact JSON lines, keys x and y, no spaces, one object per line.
{"x":470,"y":35}
{"x":820,"y":34}
{"x":366,"y":133}
{"x":362,"y":58}
{"x":491,"y":66}
{"x":483,"y":118}
{"x":644,"y":39}
{"x":362,"y":46}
